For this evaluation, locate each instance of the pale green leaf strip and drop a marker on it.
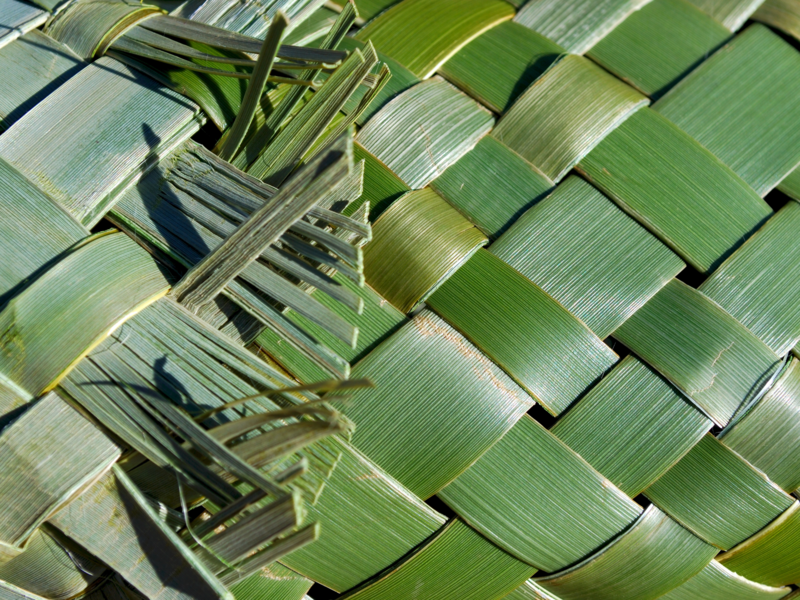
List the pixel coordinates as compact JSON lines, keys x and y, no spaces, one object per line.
{"x":70,"y":309}
{"x":767,"y":435}
{"x":485,"y":299}
{"x":696,"y":492}
{"x":491,"y":185}
{"x":84,"y":161}
{"x":715,"y":582}
{"x":437,"y":406}
{"x":274,"y":582}
{"x":52,"y":566}
{"x":651,"y":558}
{"x":22,"y":254}
{"x":676,"y":188}
{"x":540,"y":501}
{"x":421,"y":35}
{"x":130,"y":46}
{"x":580,"y":248}
{"x":566,"y":113}
{"x":113,"y":521}
{"x":759,"y":283}
{"x":731,"y":13}
{"x":17,"y":19}
{"x":368,"y":522}
{"x":401,"y":80}
{"x":700,"y":348}
{"x":255,"y":87}
{"x":424,"y":130}
{"x":658,"y":44}
{"x":88,"y":28}
{"x":264,"y":226}
{"x":772,"y":556}
{"x":377,"y":322}
{"x":416,"y":244}
{"x":228,"y":39}
{"x":293,"y":97}
{"x":575,"y":24}
{"x":381,"y":186}
{"x":219,"y":96}
{"x":290,"y":145}
{"x":755,"y":74}
{"x":497,"y":66}
{"x":457,"y":563}
{"x":37,"y":64}
{"x":632,"y":426}
{"x":67,"y":454}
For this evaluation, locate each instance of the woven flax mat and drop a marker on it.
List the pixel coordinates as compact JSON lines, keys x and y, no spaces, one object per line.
{"x":558,"y":239}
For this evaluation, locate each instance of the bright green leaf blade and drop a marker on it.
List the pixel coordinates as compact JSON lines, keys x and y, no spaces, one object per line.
{"x":658,"y":44}
{"x":423,"y":34}
{"x":566,"y":113}
{"x":731,"y":13}
{"x":438,"y":404}
{"x":485,"y":299}
{"x":759,"y":283}
{"x":632,"y":426}
{"x":766,"y":436}
{"x":368,"y":522}
{"x":754,"y":75}
{"x":651,"y":558}
{"x":381,"y":186}
{"x":675,"y":188}
{"x":538,"y":500}
{"x":696,"y":492}
{"x":700,"y":348}
{"x":497,"y":66}
{"x":491,"y":185}
{"x":589,"y":255}
{"x":457,"y":563}
{"x":772,"y":556}
{"x":715,"y":582}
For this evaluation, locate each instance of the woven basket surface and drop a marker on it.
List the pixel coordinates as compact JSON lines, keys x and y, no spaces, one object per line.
{"x":581,"y":312}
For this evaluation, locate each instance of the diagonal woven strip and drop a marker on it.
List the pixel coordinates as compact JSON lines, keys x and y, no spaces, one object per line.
{"x":569,"y":266}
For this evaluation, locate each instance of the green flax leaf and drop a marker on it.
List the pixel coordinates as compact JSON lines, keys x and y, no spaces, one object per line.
{"x":755,"y":74}
{"x":632,"y":426}
{"x":416,"y":244}
{"x":539,"y":500}
{"x":486,"y":298}
{"x":491,"y":185}
{"x":676,"y":188}
{"x":424,"y":130}
{"x":457,"y":563}
{"x":696,"y":493}
{"x":566,"y":113}
{"x":437,"y":406}
{"x":588,"y":254}
{"x":701,"y":349}
{"x":422,"y":34}
{"x":658,"y":44}
{"x":498,"y":65}
{"x":646,"y":561}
